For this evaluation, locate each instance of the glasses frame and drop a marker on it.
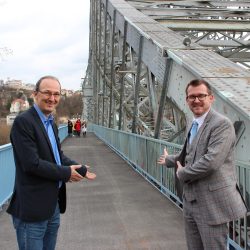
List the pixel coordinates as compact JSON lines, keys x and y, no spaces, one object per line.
{"x":201,"y":97}
{"x":48,"y":94}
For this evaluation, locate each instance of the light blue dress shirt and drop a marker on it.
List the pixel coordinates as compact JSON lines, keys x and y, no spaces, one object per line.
{"x":47,"y":122}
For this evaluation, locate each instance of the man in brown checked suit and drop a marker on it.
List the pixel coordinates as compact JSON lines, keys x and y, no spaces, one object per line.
{"x":211,"y":196}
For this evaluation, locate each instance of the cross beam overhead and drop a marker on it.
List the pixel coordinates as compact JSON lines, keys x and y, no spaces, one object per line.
{"x":143,"y":53}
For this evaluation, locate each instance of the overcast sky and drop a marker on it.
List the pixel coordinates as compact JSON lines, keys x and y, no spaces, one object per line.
{"x":46,"y":37}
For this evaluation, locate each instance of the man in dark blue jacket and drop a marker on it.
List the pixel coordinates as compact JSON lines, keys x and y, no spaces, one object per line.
{"x":42,"y":170}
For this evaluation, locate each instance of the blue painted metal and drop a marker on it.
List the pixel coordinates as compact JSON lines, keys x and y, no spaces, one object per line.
{"x":7,"y":167}
{"x":142,"y":154}
{"x":7,"y":170}
{"x":63,"y":132}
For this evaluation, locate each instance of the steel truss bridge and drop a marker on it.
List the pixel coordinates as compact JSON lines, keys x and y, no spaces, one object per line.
{"x":143,"y":53}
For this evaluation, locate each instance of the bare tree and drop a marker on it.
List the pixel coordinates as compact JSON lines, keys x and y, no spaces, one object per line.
{"x":4,"y":51}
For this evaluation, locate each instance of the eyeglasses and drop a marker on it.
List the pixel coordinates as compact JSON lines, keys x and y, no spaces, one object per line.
{"x":201,"y":97}
{"x":48,"y":94}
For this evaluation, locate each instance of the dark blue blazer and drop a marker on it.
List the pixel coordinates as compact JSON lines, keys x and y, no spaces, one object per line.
{"x":36,"y":189}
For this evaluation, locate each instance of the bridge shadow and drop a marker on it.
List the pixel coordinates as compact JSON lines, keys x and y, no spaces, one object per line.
{"x":119,"y":210}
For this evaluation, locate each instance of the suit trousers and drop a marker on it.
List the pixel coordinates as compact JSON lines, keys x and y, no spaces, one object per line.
{"x":199,"y":234}
{"x":40,"y":235}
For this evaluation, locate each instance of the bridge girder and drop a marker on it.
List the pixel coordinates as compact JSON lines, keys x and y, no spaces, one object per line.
{"x":138,"y":67}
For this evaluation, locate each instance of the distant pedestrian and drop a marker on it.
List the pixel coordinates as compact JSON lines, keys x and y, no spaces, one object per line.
{"x":84,"y":129}
{"x":70,"y":127}
{"x":77,"y":127}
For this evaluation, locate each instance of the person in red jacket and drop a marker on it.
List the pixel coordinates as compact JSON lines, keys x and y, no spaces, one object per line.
{"x":78,"y":126}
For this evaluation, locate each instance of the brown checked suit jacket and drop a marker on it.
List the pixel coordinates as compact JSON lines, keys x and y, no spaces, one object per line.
{"x":209,"y":175}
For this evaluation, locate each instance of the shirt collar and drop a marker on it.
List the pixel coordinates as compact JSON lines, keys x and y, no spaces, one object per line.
{"x":200,"y":119}
{"x":42,"y":116}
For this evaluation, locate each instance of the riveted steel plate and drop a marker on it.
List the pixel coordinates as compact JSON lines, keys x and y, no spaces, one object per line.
{"x":205,"y":63}
{"x":162,"y":36}
{"x":169,"y":39}
{"x":123,"y":5}
{"x":133,"y":37}
{"x":110,"y":9}
{"x":118,"y":1}
{"x":141,"y":19}
{"x":130,"y":12}
{"x":151,"y":27}
{"x":230,"y":3}
{"x":120,"y":21}
{"x":235,"y":90}
{"x":152,"y":57}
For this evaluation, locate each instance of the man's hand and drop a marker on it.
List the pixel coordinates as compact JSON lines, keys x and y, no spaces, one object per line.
{"x":74,"y":175}
{"x":179,"y":168}
{"x":90,"y":176}
{"x":162,"y":159}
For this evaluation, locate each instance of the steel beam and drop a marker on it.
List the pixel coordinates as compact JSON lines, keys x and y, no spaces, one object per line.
{"x":163,"y":97}
{"x":123,"y":67}
{"x":135,"y":97}
{"x":137,"y":83}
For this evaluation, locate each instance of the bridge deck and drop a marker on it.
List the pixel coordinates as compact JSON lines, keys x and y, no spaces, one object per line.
{"x":119,"y":210}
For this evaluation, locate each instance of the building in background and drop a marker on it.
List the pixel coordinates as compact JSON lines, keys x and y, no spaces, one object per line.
{"x":17,"y":106}
{"x":15,"y":84}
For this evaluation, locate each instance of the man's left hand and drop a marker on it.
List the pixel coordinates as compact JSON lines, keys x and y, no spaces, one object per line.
{"x":179,"y":168}
{"x":90,"y":176}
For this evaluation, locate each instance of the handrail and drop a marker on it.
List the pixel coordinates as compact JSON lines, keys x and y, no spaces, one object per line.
{"x":7,"y":167}
{"x":7,"y":170}
{"x":142,"y":153}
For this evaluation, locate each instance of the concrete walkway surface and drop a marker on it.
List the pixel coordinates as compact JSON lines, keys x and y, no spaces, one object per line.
{"x":119,"y":210}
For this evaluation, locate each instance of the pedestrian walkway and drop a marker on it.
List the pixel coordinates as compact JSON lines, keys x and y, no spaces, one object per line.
{"x":119,"y":210}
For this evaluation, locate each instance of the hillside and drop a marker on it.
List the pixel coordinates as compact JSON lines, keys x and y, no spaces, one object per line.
{"x":68,"y":107}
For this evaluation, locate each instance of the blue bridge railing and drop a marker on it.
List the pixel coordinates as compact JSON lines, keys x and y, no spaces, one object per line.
{"x":7,"y":167}
{"x":7,"y":172}
{"x":142,"y":154}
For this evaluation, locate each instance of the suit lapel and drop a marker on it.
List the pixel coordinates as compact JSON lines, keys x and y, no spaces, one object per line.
{"x":55,"y":130}
{"x":42,"y":128}
{"x":182,"y":155}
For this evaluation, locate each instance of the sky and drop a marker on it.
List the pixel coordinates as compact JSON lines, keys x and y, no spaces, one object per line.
{"x":44,"y":37}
